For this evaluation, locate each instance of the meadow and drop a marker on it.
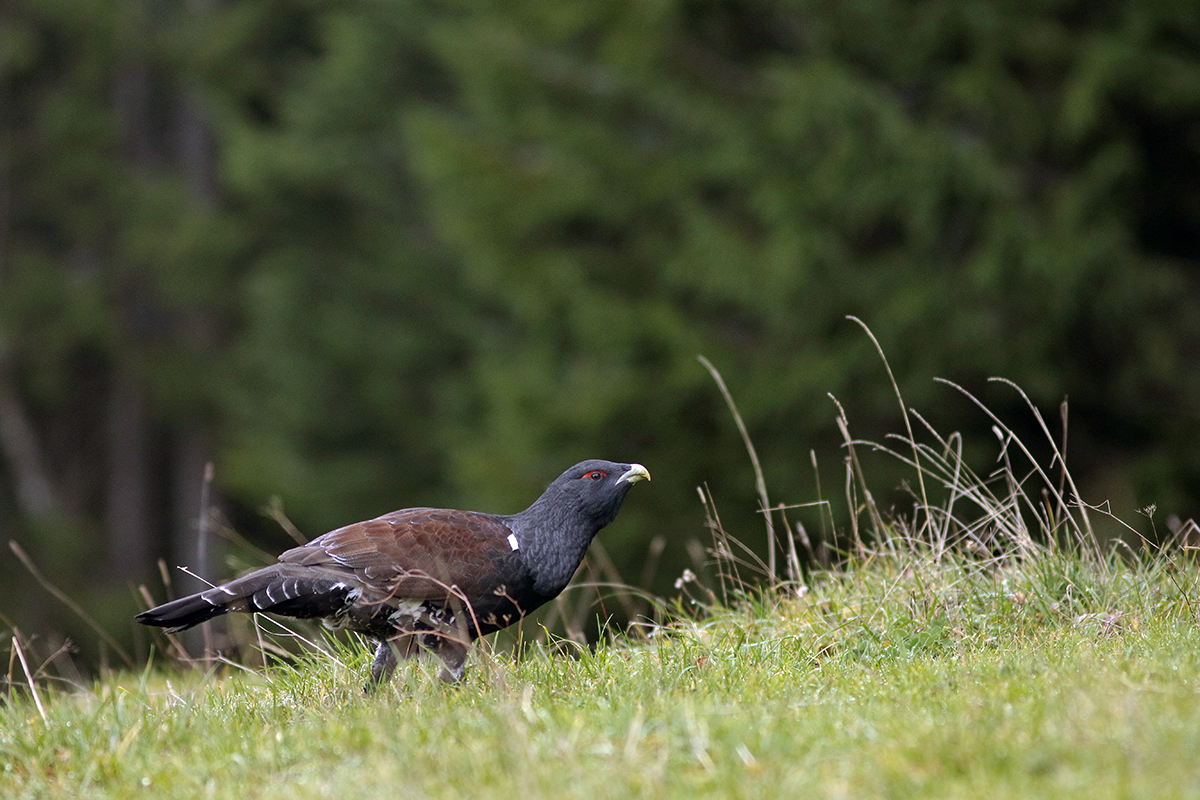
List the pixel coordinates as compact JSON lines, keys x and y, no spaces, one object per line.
{"x":887,"y":679}
{"x":985,"y":644}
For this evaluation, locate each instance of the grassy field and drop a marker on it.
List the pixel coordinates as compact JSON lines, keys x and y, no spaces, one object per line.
{"x":901,"y":677}
{"x":984,"y":646}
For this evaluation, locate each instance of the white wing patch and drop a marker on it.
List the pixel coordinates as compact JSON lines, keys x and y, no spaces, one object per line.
{"x":512,"y":541}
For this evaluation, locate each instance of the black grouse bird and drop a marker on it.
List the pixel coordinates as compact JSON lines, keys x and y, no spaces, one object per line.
{"x":428,"y":578}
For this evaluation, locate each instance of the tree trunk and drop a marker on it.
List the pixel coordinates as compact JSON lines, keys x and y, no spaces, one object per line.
{"x":35,"y":492}
{"x":126,"y":509}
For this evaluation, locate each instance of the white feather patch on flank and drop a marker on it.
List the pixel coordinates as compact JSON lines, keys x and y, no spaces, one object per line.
{"x":512,"y":541}
{"x":410,"y":609}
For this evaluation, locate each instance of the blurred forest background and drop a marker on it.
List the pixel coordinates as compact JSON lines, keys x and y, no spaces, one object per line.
{"x":366,"y":254}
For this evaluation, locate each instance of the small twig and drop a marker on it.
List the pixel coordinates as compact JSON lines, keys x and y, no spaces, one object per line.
{"x":605,"y":566}
{"x":68,"y":602}
{"x":903,"y":412}
{"x":856,"y":479}
{"x":37,"y":700}
{"x":165,"y":574}
{"x":650,"y":565}
{"x":759,"y":482}
{"x":202,"y":522}
{"x":8,"y":680}
{"x":275,"y":512}
{"x":188,"y":571}
{"x":713,"y":522}
{"x":1062,"y":460}
{"x":821,"y":556}
{"x":202,"y":527}
{"x":1062,"y":453}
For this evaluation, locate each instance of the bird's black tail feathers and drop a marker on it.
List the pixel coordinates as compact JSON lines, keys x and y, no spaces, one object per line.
{"x":281,"y":589}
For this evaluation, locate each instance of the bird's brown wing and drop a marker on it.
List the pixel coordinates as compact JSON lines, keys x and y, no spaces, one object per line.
{"x":415,"y":554}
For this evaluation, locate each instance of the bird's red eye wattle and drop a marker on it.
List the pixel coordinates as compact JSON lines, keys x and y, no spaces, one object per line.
{"x":597,"y":475}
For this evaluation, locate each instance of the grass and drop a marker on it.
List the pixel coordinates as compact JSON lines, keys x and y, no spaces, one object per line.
{"x":878,"y":681}
{"x":982,"y":645}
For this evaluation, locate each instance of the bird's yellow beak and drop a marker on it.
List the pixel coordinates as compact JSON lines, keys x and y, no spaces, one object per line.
{"x":636,"y":473}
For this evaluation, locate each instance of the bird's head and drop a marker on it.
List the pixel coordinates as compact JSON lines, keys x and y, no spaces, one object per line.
{"x":596,"y":488}
{"x":555,"y":531}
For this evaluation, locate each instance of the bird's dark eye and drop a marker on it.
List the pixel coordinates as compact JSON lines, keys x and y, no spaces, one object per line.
{"x":597,"y":475}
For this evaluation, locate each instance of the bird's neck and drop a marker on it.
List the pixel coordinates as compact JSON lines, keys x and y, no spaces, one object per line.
{"x":554,"y":540}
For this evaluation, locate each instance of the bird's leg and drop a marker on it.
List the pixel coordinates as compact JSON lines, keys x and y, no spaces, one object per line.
{"x":382,"y":667}
{"x":453,"y":654}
